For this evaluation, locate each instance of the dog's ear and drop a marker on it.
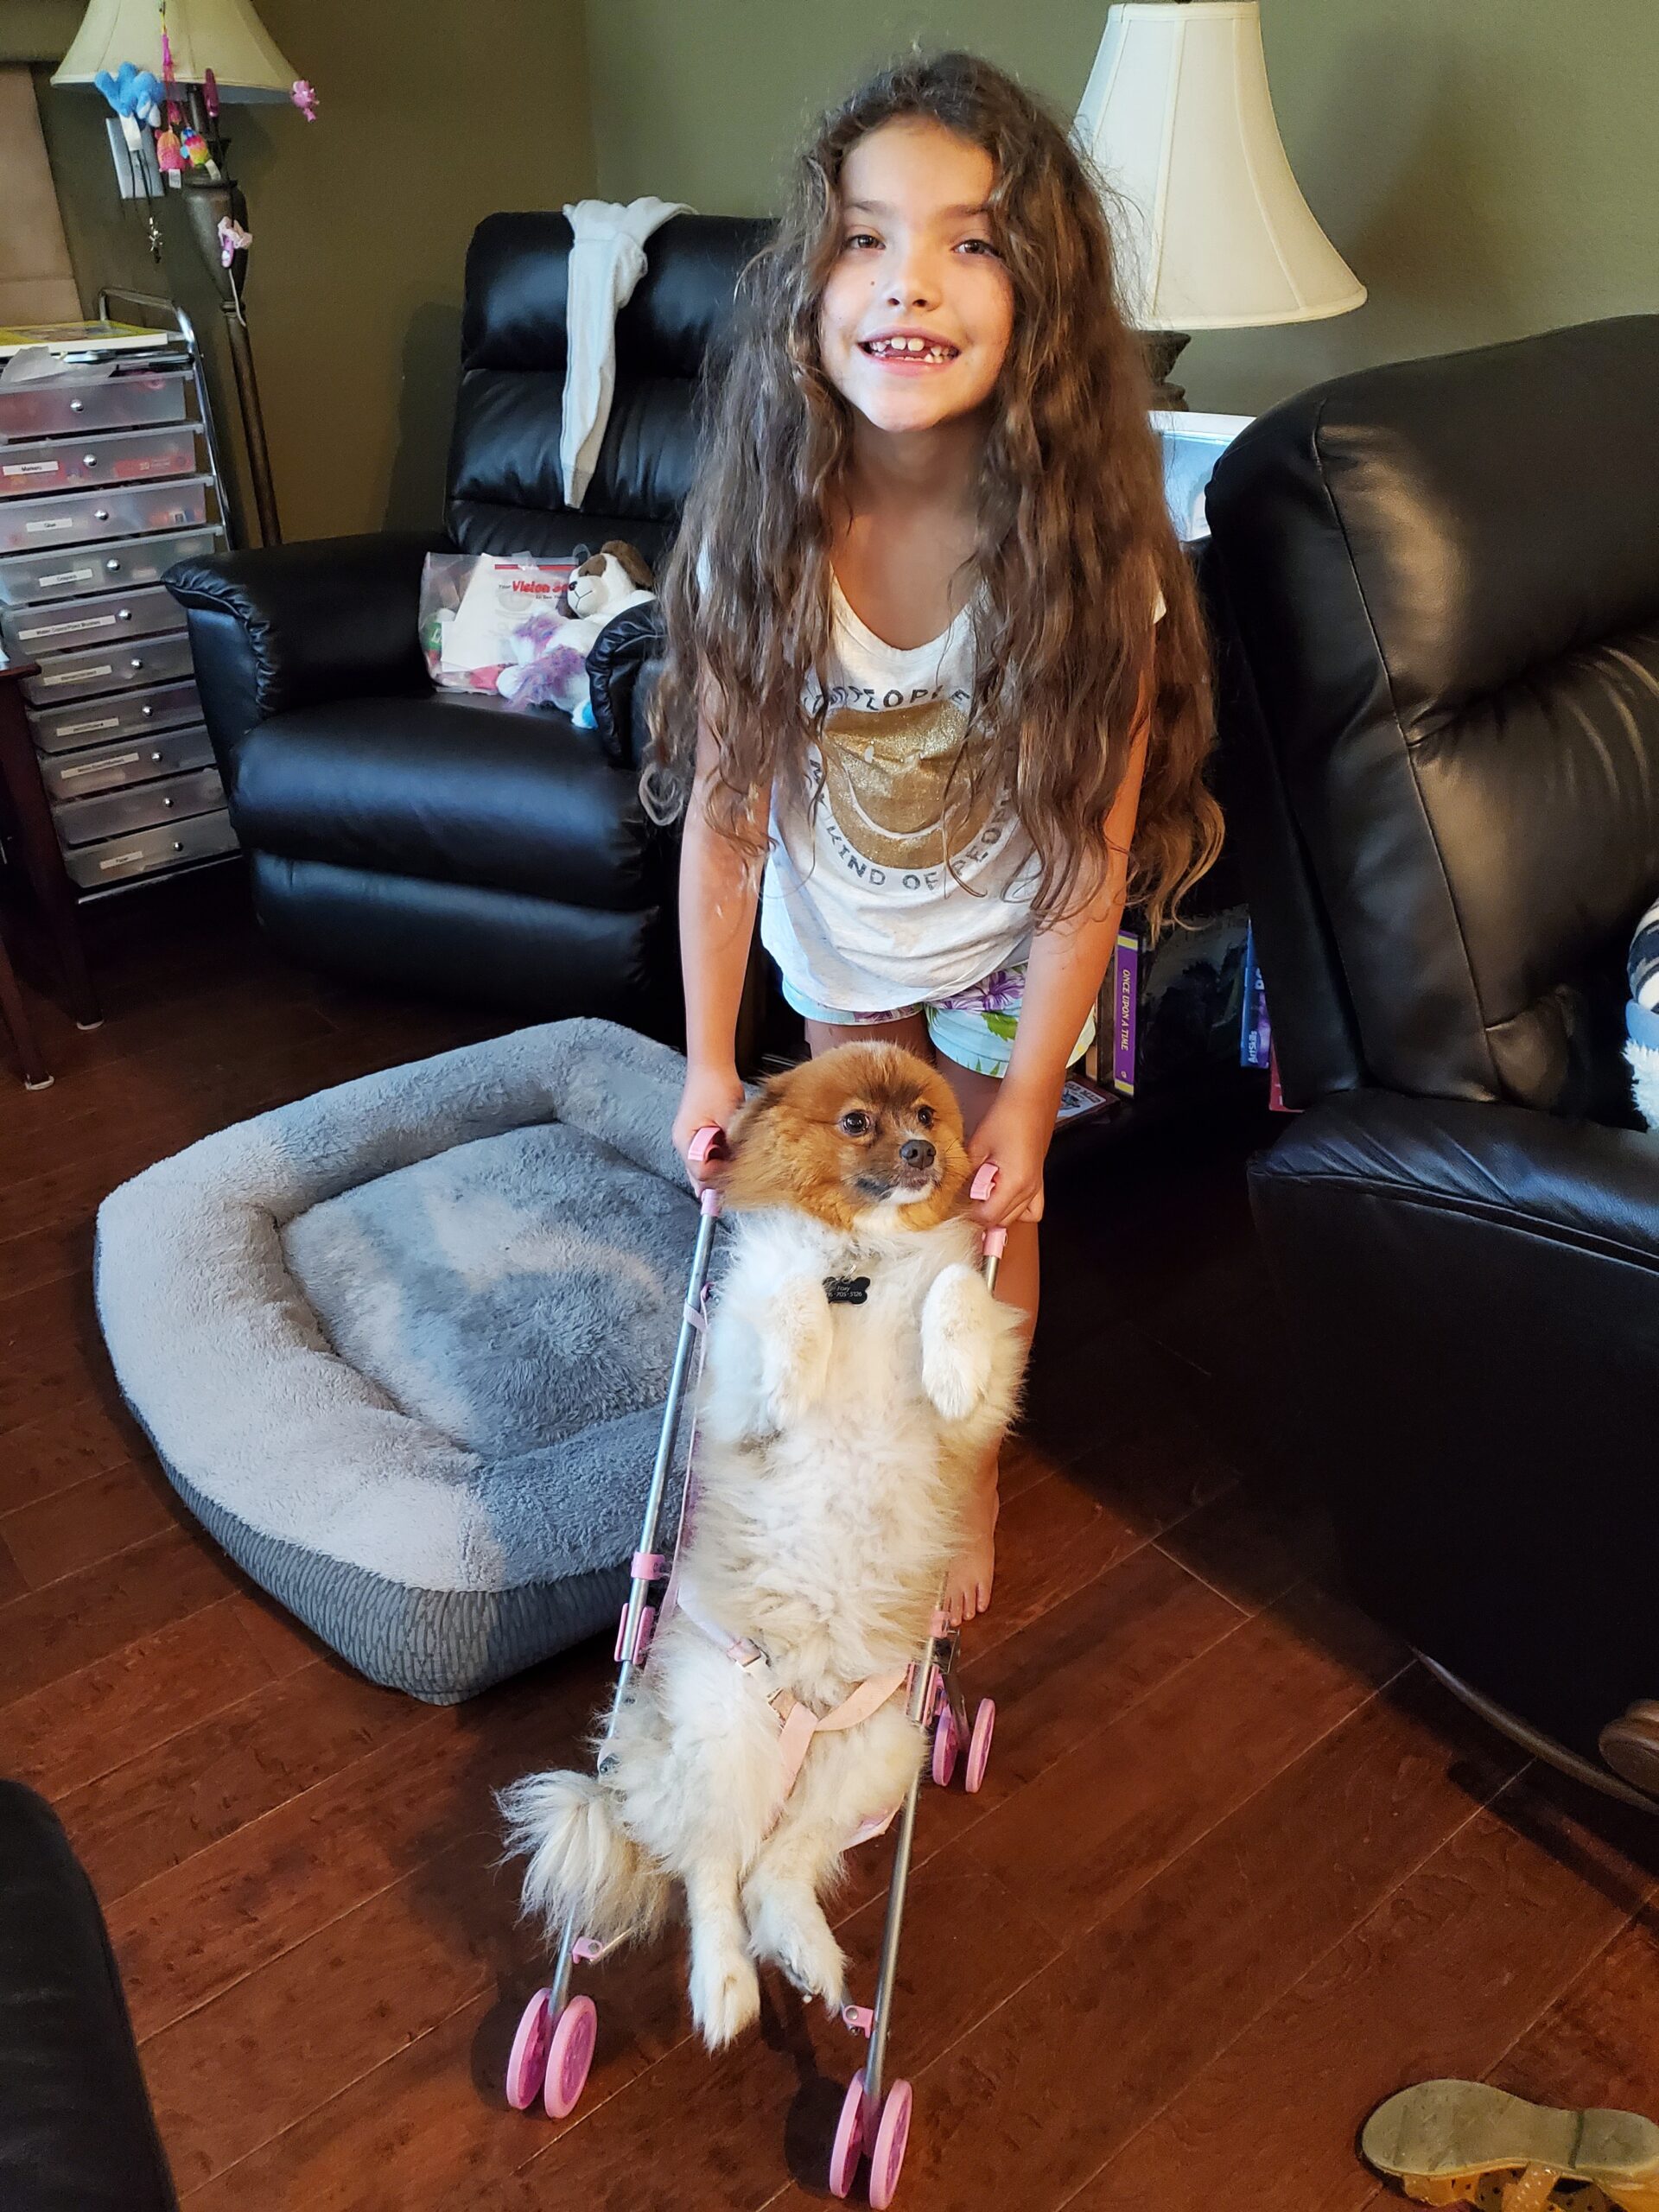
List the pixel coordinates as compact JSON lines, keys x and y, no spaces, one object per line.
{"x":759,"y":1169}
{"x":720,"y":1170}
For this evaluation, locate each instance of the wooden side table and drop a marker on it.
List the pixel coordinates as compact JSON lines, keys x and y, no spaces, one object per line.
{"x":38,"y":852}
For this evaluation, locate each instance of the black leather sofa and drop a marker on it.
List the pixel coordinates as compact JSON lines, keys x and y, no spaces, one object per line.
{"x":1438,"y":584}
{"x":436,"y":839}
{"x":76,"y":2130}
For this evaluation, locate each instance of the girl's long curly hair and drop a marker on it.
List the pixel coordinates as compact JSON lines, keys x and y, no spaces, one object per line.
{"x":1074,"y":536}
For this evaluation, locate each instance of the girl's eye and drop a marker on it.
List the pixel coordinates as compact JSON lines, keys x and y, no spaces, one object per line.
{"x":980,"y":245}
{"x":924,"y":1115}
{"x":855,"y":1124}
{"x":861,"y":238}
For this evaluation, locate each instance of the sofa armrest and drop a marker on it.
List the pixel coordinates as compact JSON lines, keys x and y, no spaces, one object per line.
{"x":1502,"y":1169}
{"x":1472,"y":1294}
{"x":622,"y":669}
{"x":296,"y":626}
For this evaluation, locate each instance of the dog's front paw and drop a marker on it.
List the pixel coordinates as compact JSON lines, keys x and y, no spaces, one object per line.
{"x":725,"y":1991}
{"x":796,"y":1344}
{"x":959,"y":1341}
{"x":789,"y":1927}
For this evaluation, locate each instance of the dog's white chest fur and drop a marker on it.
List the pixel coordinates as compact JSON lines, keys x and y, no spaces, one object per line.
{"x":836,"y":1436}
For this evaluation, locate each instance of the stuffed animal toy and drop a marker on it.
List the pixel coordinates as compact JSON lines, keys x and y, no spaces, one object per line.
{"x":549,"y":667}
{"x":135,"y":94}
{"x":1642,"y":1016}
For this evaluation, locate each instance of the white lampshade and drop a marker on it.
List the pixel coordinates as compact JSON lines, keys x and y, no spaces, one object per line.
{"x":223,"y":35}
{"x":1177,"y":116}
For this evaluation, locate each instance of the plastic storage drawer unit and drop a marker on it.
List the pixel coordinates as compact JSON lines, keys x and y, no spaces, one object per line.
{"x":109,"y":477}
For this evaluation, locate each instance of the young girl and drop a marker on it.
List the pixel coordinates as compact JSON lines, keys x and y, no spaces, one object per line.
{"x":937,"y":692}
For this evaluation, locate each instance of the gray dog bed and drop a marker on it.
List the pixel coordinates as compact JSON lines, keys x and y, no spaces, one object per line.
{"x":402,"y":1347}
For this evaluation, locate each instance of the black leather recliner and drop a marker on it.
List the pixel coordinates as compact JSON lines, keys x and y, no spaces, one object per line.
{"x":438,"y":839}
{"x":1439,"y":590}
{"x":76,"y":2130}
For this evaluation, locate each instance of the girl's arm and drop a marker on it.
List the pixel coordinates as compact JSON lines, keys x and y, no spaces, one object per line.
{"x":1067,"y":966}
{"x":717,"y":899}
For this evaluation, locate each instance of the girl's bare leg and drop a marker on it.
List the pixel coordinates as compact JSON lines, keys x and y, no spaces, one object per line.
{"x":911,"y":1032}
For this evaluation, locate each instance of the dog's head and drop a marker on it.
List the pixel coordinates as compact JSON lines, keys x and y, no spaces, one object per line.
{"x":864,"y":1131}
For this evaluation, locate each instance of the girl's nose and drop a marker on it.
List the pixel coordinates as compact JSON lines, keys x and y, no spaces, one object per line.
{"x":911,"y":287}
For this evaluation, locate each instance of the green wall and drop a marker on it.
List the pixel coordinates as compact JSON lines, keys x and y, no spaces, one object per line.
{"x":1487,"y":167}
{"x":360,"y":223}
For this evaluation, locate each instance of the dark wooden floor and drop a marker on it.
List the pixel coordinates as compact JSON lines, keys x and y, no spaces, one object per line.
{"x":1239,"y":1871}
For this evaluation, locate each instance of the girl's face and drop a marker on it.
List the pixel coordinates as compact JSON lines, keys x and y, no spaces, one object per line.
{"x":917,"y":312}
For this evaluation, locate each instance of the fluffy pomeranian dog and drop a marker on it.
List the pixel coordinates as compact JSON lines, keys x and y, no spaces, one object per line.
{"x":858,"y":1369}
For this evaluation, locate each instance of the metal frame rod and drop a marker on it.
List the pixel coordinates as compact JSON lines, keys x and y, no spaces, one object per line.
{"x":887,"y":1974}
{"x":640,"y":1586}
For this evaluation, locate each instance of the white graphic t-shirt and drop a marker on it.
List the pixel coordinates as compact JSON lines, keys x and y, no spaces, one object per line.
{"x":858,"y":906}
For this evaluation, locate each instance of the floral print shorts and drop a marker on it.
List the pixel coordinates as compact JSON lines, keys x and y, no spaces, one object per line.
{"x":975,"y":1027}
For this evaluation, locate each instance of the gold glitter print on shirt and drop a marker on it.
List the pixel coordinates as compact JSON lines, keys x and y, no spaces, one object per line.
{"x":886,"y":772}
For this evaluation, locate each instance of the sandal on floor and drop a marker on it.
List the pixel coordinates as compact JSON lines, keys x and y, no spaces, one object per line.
{"x":1467,"y":2143}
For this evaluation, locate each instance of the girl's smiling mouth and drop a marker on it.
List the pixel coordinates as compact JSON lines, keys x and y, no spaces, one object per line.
{"x":908,"y":349}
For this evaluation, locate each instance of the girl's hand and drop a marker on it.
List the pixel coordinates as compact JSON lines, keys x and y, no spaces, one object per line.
{"x":1015,"y":1134}
{"x":710,"y":1095}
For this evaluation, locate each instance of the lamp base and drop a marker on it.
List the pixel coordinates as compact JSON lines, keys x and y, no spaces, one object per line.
{"x":1161,"y":348}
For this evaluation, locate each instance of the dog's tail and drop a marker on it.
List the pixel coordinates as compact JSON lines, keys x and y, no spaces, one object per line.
{"x":584,"y":1866}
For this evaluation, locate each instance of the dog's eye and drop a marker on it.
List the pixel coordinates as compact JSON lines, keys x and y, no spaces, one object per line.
{"x":925,"y":1116}
{"x":855,"y":1124}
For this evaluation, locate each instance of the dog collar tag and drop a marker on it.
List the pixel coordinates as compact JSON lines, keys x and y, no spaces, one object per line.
{"x":847,"y":1290}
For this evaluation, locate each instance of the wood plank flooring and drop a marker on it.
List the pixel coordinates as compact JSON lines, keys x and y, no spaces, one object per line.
{"x":1240,"y":1868}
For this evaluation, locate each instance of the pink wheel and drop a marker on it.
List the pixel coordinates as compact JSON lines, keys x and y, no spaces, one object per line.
{"x":849,"y":2147}
{"x":527,"y":2066}
{"x":569,"y":2056}
{"x":887,"y":2151}
{"x":945,"y":1742}
{"x":979,"y":1744}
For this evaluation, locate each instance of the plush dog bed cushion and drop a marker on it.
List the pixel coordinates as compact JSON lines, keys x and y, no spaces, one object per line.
{"x":403,"y":1347}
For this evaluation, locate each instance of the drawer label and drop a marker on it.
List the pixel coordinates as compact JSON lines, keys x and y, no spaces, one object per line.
{"x":31,"y":468}
{"x":49,"y":522}
{"x":76,"y":675}
{"x":69,"y":576}
{"x":120,"y":860}
{"x":99,"y":767}
{"x":69,"y":629}
{"x":88,"y":729}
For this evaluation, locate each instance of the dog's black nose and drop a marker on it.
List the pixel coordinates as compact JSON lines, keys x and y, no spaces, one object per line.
{"x":916,"y":1152}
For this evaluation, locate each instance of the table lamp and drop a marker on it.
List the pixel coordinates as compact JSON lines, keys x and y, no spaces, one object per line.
{"x":166,"y":67}
{"x":1213,"y":232}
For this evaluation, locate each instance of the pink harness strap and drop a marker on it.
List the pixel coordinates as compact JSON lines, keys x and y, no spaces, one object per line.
{"x":796,"y":1722}
{"x":801,"y":1724}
